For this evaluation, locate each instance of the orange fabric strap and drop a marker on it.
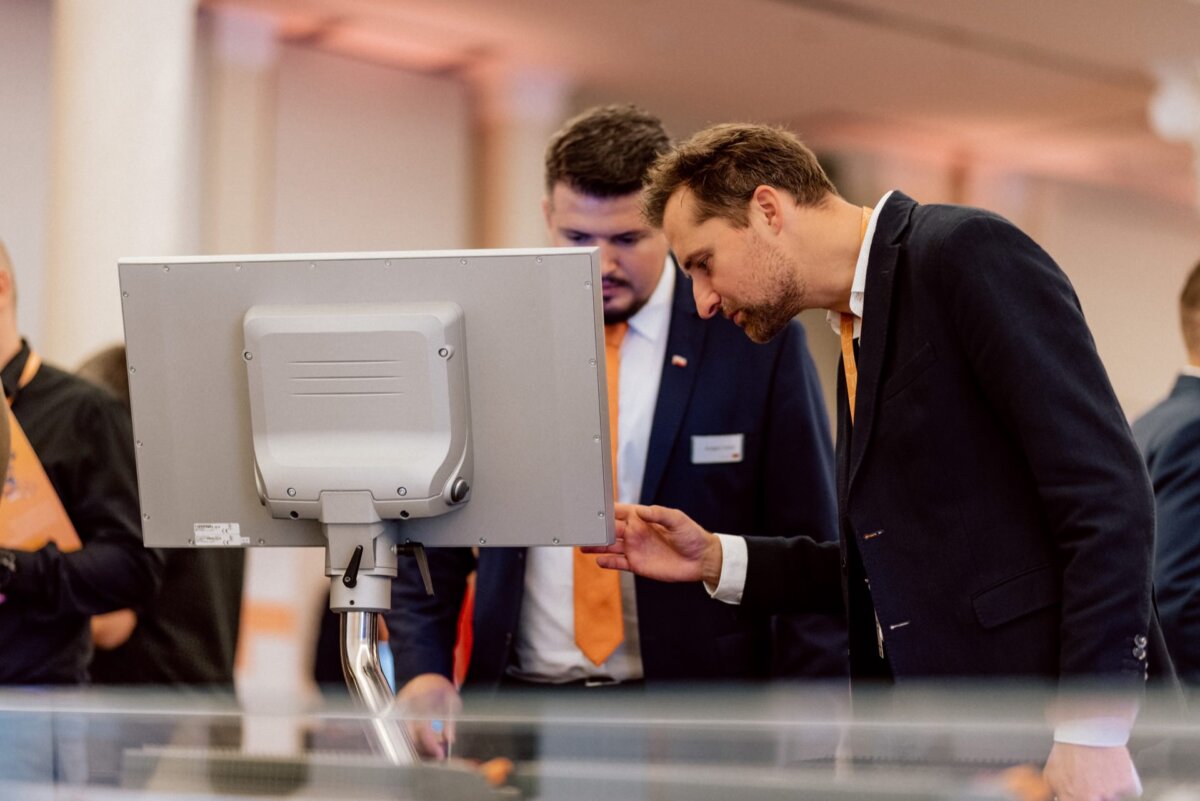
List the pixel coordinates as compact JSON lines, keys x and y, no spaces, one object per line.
{"x":32,"y":513}
{"x":849,"y":364}
{"x":599,"y":625}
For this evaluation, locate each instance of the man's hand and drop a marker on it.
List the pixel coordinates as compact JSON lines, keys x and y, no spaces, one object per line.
{"x":1089,"y":773}
{"x":663,"y":544}
{"x":114,"y":629}
{"x":430,"y":703}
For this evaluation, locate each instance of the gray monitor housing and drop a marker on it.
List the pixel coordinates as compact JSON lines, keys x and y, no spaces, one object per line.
{"x":457,"y":396}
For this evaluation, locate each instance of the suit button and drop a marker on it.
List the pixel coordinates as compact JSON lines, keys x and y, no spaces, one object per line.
{"x":1139,"y":652}
{"x":1140,"y":641}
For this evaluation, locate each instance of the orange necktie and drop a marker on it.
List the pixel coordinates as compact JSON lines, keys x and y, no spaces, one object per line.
{"x":849,"y":365}
{"x":599,"y":626}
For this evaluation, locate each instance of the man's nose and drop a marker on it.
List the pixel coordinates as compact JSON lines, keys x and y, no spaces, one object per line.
{"x":608,"y":258}
{"x":708,"y":302}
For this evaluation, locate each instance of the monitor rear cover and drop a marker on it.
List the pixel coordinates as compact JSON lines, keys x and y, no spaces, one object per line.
{"x":539,"y":419}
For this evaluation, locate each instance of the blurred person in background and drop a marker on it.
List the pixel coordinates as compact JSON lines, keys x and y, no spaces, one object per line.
{"x":701,"y":419}
{"x":70,"y":534}
{"x":188,"y":634}
{"x":1169,"y":436}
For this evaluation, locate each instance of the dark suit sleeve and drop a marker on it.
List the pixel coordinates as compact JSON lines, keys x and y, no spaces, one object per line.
{"x":1023,"y":333}
{"x":422,"y":629}
{"x":98,"y":488}
{"x":1175,"y":473}
{"x":792,"y":574}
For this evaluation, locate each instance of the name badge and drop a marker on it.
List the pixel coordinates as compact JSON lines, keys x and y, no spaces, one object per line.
{"x":718,"y":449}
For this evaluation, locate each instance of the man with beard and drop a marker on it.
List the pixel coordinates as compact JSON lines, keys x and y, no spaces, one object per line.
{"x":735,"y":434}
{"x":995,"y":515}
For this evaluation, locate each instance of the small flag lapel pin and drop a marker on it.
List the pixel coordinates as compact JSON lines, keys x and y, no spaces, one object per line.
{"x":678,"y":361}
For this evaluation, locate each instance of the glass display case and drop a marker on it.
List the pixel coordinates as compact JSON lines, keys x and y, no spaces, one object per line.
{"x":695,"y":743}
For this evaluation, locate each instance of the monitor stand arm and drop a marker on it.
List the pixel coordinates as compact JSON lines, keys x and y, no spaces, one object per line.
{"x":360,"y":560}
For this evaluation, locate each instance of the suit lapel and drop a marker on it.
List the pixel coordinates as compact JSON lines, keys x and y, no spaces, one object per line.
{"x":686,"y":335}
{"x":881,"y":271}
{"x":1186,"y":385}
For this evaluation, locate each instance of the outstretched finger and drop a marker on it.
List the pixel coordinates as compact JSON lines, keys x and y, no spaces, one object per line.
{"x":664,"y":516}
{"x":613,"y":561}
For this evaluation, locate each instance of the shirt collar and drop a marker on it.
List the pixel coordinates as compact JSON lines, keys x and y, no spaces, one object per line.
{"x":858,"y":287}
{"x":651,"y":320}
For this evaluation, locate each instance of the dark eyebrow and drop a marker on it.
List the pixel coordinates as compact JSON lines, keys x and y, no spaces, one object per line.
{"x":690,"y":260}
{"x":632,"y":233}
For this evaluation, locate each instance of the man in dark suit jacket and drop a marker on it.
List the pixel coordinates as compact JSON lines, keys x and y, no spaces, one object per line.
{"x":989,"y":489}
{"x":1169,"y":436}
{"x":735,"y":434}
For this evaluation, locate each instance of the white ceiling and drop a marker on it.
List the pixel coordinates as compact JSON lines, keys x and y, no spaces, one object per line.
{"x":1055,"y":88}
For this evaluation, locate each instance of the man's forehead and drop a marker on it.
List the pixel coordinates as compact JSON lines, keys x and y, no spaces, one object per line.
{"x":565,"y":194}
{"x":603,"y":217}
{"x":679,"y":216}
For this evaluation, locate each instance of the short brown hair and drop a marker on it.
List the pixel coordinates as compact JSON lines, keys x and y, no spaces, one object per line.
{"x":606,"y":151}
{"x":724,"y":164}
{"x":1189,"y":311}
{"x":107,"y":370}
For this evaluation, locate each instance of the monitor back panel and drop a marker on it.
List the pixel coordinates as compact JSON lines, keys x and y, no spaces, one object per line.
{"x":539,"y":419}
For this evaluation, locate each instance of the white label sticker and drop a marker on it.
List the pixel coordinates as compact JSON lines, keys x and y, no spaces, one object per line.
{"x":718,"y":449}
{"x":218,"y":535}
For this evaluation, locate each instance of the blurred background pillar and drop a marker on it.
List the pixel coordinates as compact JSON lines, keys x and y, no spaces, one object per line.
{"x":1175,"y":109}
{"x":241,"y":76}
{"x":516,"y":111}
{"x":119,"y":157}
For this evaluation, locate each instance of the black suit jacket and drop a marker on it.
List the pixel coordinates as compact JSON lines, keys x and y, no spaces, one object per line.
{"x":783,"y":485}
{"x":1169,"y":436}
{"x":990,"y":482}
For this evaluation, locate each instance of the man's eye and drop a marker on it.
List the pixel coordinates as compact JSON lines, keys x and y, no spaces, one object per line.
{"x":626,"y":241}
{"x":578,"y":239}
{"x":702,"y":266}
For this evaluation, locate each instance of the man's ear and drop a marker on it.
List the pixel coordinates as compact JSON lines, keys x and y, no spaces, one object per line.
{"x":766,"y":204}
{"x":6,"y":277}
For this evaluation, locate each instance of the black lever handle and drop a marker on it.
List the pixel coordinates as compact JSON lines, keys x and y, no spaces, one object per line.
{"x":350,"y":577}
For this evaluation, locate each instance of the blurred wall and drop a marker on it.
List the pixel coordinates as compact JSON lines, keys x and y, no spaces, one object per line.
{"x":369,"y":158}
{"x":25,"y":109}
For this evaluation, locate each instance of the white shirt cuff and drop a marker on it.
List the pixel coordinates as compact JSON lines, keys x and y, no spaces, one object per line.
{"x":1100,"y":732}
{"x":733,"y":570}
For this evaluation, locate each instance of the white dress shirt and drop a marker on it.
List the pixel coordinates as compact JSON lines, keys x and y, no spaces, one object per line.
{"x":545,"y":639}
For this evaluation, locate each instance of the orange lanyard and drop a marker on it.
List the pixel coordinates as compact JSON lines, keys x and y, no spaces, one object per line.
{"x":32,"y":365}
{"x":31,"y":514}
